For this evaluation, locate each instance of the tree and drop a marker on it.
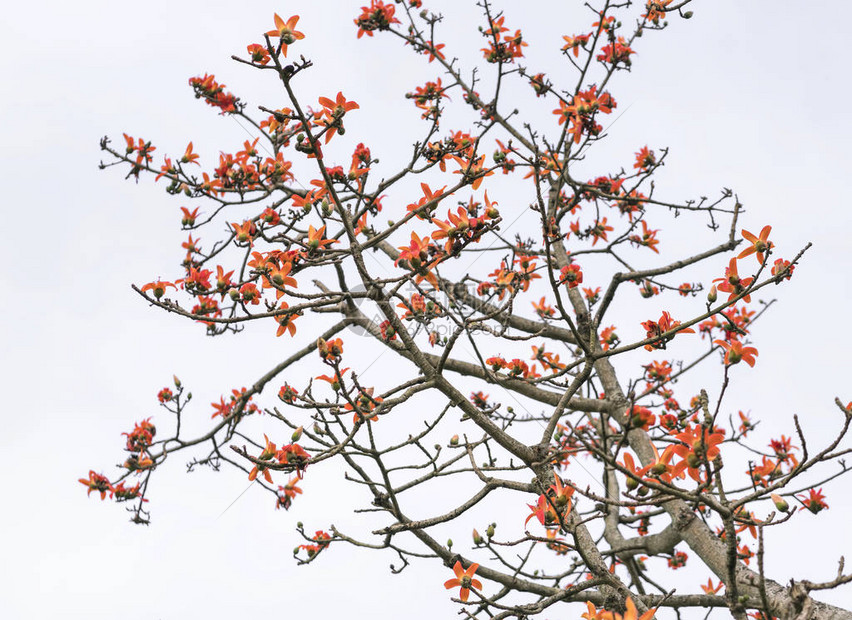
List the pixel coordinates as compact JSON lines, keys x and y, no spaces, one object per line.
{"x":445,"y":289}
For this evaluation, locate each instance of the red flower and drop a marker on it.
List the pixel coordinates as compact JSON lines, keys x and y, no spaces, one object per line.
{"x":782,"y":269}
{"x":288,"y":394}
{"x":377,"y":16}
{"x":571,"y":275}
{"x":330,"y":350}
{"x":364,"y":404}
{"x":678,"y":560}
{"x":464,"y":579}
{"x":616,"y":52}
{"x":663,"y":326}
{"x":698,"y":443}
{"x":287,"y":494}
{"x":644,"y":159}
{"x":97,"y":482}
{"x":732,"y":283}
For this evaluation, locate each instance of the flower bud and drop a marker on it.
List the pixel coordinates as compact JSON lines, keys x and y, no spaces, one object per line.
{"x":712,"y":295}
{"x":490,"y":530}
{"x":780,"y":503}
{"x":477,"y":539}
{"x":659,"y":469}
{"x":454,"y":441}
{"x":177,"y":381}
{"x":297,"y":434}
{"x":450,"y":543}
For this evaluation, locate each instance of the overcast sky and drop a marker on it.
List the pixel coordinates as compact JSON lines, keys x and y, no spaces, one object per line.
{"x":748,"y":95}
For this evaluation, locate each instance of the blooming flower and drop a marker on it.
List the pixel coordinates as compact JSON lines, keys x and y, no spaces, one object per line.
{"x":655,"y":329}
{"x":377,"y":16}
{"x":286,"y":32}
{"x":759,"y":245}
{"x":98,"y":482}
{"x":735,"y":352}
{"x":464,"y":579}
{"x":158,"y":287}
{"x":732,"y":283}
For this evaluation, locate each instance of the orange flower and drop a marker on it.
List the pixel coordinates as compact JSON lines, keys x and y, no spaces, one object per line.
{"x":338,"y":107}
{"x":189,"y":157}
{"x":189,"y":217}
{"x":316,"y":239}
{"x":278,"y":278}
{"x":575,"y":43}
{"x":266,"y":455}
{"x":759,"y":245}
{"x":663,"y":326}
{"x":259,"y":55}
{"x":543,"y":309}
{"x":644,"y":158}
{"x":332,"y":114}
{"x":648,"y":238}
{"x":698,"y":443}
{"x":330,"y":350}
{"x":334,"y":381}
{"x":287,"y":494}
{"x":364,"y":404}
{"x":631,"y":613}
{"x":464,"y":579}
{"x":377,"y":16}
{"x":285,"y":321}
{"x":286,"y":31}
{"x":428,"y":197}
{"x":98,"y":482}
{"x":709,"y":588}
{"x":735,"y":352}
{"x":656,"y":10}
{"x":244,"y":231}
{"x":815,"y":501}
{"x":732,"y":283}
{"x":472,"y":169}
{"x":158,"y":287}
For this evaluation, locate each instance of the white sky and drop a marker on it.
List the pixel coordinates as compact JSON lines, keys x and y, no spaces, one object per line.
{"x":748,"y":95}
